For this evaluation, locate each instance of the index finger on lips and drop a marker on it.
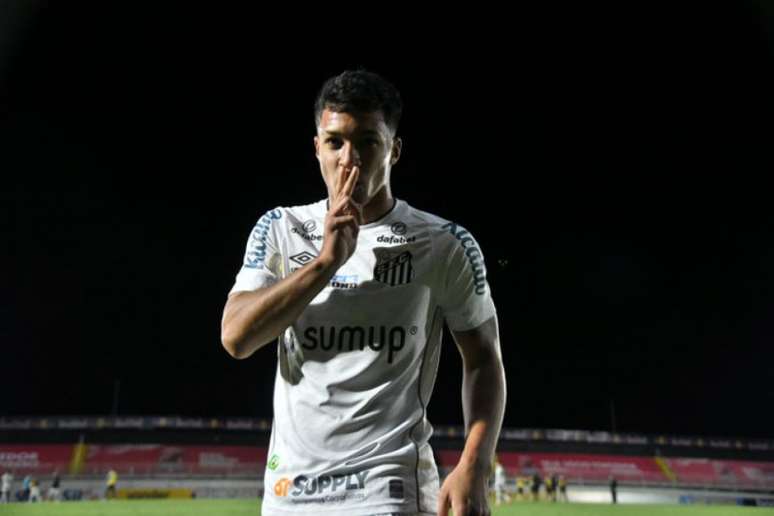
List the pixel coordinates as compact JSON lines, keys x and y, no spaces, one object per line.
{"x":349,"y":186}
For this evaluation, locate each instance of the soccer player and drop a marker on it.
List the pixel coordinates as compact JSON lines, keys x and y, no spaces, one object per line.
{"x":499,"y":484}
{"x":34,"y":491}
{"x":357,"y":288}
{"x":520,"y":483}
{"x":535,"y":487}
{"x":614,"y":489}
{"x":26,"y":484}
{"x":54,"y":492}
{"x":548,"y":481}
{"x":5,"y":491}
{"x":562,"y":488}
{"x":110,"y":484}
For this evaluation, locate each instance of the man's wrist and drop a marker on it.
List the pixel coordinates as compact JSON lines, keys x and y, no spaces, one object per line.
{"x":326,"y":264}
{"x":476,"y":462}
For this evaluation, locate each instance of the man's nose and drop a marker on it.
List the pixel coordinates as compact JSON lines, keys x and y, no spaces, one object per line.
{"x":349,"y":156}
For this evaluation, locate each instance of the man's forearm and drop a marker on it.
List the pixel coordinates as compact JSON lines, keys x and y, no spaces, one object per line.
{"x":483,"y":404}
{"x":253,"y":319}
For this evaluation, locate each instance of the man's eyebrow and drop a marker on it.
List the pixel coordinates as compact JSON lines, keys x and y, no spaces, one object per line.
{"x":367,"y":132}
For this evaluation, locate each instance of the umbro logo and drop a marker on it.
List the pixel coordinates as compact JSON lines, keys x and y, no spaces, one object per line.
{"x":393,"y":269}
{"x":303,"y":258}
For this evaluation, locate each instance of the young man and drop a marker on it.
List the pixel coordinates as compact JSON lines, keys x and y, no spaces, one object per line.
{"x":357,"y":288}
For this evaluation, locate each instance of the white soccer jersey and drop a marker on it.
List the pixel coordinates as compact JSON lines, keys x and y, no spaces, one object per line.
{"x":356,"y":370}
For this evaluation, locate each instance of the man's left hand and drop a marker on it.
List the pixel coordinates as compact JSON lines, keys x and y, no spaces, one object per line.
{"x":464,"y":491}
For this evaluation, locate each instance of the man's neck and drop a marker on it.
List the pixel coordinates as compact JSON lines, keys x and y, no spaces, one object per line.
{"x":380,"y":205}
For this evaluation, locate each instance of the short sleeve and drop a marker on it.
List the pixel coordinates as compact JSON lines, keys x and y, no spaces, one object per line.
{"x":261,"y":264}
{"x":466,"y":300}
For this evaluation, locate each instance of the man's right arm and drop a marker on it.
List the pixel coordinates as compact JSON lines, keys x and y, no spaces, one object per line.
{"x":252,"y":319}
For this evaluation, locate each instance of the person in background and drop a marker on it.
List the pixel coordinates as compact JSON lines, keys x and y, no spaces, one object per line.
{"x":34,"y":491}
{"x":54,"y":492}
{"x":110,"y":484}
{"x":520,"y":483}
{"x":499,"y":483}
{"x":562,"y":488}
{"x":535,"y":487}
{"x":549,"y":487}
{"x":5,"y":493}
{"x":26,"y":488}
{"x":614,"y":489}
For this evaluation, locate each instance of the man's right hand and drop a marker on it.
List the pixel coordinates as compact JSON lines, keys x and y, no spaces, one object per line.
{"x":343,"y":220}
{"x":252,"y":319}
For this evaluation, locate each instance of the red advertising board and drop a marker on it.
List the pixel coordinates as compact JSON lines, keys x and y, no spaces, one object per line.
{"x":149,"y":459}
{"x":35,"y":458}
{"x":727,"y":472}
{"x":44,"y":459}
{"x":162,"y":458}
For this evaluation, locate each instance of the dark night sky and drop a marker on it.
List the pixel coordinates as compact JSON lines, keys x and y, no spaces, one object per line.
{"x":617,"y":160}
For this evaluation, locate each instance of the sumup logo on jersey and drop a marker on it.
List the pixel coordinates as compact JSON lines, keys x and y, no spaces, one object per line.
{"x":393,"y":268}
{"x":357,"y":338}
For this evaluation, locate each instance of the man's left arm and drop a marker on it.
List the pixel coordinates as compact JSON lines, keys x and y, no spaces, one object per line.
{"x":483,"y":403}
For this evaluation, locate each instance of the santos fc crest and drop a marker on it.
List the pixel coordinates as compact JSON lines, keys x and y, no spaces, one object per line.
{"x":393,"y":268}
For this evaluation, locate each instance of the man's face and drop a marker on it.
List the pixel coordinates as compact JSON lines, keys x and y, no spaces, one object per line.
{"x":347,"y":140}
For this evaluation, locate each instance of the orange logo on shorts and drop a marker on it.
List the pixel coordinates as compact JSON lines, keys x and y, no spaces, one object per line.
{"x":281,"y":487}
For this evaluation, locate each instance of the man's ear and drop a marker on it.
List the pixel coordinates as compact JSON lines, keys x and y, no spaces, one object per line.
{"x":397,"y":145}
{"x":317,"y":147}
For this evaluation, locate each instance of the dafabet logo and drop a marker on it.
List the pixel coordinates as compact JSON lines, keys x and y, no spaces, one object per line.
{"x":282,"y":487}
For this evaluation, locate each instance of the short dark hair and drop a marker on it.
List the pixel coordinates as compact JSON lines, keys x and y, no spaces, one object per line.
{"x":360,"y":91}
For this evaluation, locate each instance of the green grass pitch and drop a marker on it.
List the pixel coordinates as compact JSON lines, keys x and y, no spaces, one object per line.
{"x":252,"y":508}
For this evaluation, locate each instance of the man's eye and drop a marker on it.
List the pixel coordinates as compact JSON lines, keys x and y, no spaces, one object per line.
{"x":333,"y":142}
